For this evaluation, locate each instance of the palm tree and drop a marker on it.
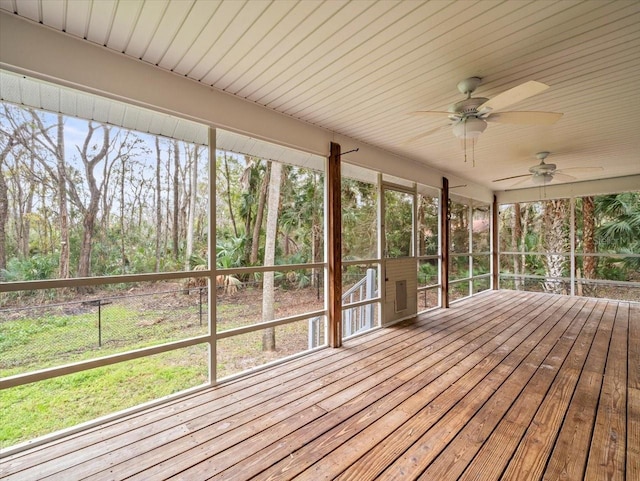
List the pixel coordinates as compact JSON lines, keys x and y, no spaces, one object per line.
{"x":555,"y":242}
{"x":589,"y":263}
{"x":619,"y":229}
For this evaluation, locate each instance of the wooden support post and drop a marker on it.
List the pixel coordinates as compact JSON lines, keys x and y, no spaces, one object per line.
{"x":334,"y":236}
{"x":444,"y":242}
{"x":495,"y":266}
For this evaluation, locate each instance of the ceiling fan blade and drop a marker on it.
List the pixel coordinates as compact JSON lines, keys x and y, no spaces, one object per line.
{"x":523,"y":181}
{"x":514,"y":95}
{"x":525,"y":118}
{"x":424,"y":134}
{"x":433,"y":113}
{"x":563,"y":177}
{"x":580,"y":170}
{"x":512,"y":177}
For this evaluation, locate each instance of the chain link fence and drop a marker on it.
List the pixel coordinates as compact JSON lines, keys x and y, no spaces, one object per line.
{"x":39,"y":336}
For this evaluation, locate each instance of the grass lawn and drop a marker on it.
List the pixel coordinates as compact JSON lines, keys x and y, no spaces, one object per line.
{"x":36,"y":409}
{"x":45,"y":336}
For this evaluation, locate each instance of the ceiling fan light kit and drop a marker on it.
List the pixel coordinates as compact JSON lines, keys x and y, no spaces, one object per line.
{"x":541,"y":179}
{"x":469,"y":128}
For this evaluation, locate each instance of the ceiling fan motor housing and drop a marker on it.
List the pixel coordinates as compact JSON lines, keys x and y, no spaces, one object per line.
{"x":467,"y":107}
{"x":543,"y":169}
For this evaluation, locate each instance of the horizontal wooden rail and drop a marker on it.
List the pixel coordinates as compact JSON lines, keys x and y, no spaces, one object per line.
{"x":48,"y":373}
{"x":274,"y":268}
{"x":604,"y":282}
{"x":98,"y":281}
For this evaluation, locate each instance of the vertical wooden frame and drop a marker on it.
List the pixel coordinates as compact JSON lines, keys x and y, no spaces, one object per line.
{"x":444,"y":243}
{"x":334,"y":244}
{"x":572,"y":240}
{"x":212,"y":294}
{"x":495,"y":264}
{"x":470,"y":248}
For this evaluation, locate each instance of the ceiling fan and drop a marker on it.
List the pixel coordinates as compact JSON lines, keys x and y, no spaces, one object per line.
{"x":469,"y":117}
{"x":543,"y":173}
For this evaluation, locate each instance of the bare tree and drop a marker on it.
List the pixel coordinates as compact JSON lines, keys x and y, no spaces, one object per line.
{"x":269,"y":336}
{"x":4,"y":206}
{"x":176,"y":197}
{"x":193,"y":192}
{"x":55,"y":147}
{"x":91,"y":155}
{"x":63,"y":214}
{"x":19,"y":136}
{"x":123,"y":254}
{"x":93,"y":152}
{"x":158,"y":203}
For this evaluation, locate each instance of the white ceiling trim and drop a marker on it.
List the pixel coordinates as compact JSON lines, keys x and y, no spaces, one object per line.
{"x":41,"y":95}
{"x":614,"y":185}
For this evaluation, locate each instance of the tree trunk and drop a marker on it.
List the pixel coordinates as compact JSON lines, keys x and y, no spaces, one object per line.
{"x":193,"y":192}
{"x":420,"y":226}
{"x":317,"y":253}
{"x":158,"y":204}
{"x":255,"y":242}
{"x":123,"y":255}
{"x":176,"y":198}
{"x":523,"y":245}
{"x":269,"y":334}
{"x":167,"y":207}
{"x":229,"y":204}
{"x":588,"y":244}
{"x":516,"y":233}
{"x":555,"y":242}
{"x":63,"y":263}
{"x":249,"y":184}
{"x":25,"y":225}
{"x":4,"y":209}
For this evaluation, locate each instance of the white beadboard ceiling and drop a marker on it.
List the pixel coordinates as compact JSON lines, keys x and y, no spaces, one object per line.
{"x":358,"y":68}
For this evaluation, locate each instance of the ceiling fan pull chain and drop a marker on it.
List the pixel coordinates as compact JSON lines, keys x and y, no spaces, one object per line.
{"x":473,"y":152}
{"x":465,"y":140}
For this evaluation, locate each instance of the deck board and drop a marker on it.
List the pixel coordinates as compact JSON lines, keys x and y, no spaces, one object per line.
{"x":507,"y":385}
{"x":470,"y":440}
{"x":385,"y":452}
{"x":530,"y":458}
{"x":633,"y":394}
{"x":607,"y":457}
{"x":440,"y":393}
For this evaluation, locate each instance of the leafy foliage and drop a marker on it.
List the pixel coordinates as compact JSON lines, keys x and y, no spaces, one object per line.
{"x":36,"y":267}
{"x":617,"y":222}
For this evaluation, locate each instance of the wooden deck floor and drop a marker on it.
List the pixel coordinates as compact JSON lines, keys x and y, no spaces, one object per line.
{"x":508,"y":385}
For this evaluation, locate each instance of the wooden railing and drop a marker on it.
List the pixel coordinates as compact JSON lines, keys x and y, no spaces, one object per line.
{"x":354,"y":319}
